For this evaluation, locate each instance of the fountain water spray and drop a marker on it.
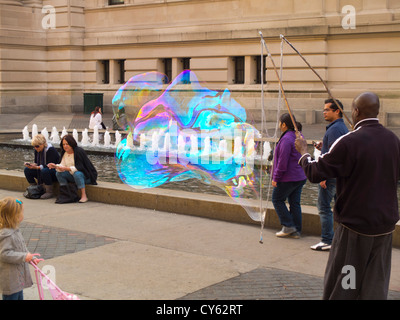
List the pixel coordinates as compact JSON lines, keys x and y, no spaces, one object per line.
{"x":34,"y":130}
{"x":64,"y":132}
{"x":75,"y":134}
{"x":85,"y":138}
{"x":107,"y":139}
{"x":95,"y":141}
{"x":45,"y":133}
{"x":54,"y":137}
{"x":142,"y":141}
{"x":117,"y":138}
{"x":25,"y":134}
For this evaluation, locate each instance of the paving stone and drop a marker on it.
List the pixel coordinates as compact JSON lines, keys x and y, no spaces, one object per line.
{"x":52,"y":242}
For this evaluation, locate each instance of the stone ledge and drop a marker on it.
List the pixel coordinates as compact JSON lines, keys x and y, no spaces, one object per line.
{"x":180,"y":202}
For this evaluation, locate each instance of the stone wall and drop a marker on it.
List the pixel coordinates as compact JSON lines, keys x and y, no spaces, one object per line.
{"x":50,"y":69}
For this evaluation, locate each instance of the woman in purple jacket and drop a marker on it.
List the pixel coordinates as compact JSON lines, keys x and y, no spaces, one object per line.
{"x":288,"y":179}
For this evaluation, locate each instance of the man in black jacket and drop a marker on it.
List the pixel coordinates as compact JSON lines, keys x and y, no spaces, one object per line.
{"x":366,"y":163}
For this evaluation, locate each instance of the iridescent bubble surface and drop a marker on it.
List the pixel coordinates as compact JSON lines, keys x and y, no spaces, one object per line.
{"x":184,"y":130}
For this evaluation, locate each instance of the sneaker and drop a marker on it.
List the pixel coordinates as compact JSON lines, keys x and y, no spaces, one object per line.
{"x":286,"y":232}
{"x":294,"y":235}
{"x":322,"y":246}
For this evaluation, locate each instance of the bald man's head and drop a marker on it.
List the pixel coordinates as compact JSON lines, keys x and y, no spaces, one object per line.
{"x":366,"y":105}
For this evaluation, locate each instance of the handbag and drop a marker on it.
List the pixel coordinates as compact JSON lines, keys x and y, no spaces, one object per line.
{"x":68,"y":193}
{"x":34,"y":191}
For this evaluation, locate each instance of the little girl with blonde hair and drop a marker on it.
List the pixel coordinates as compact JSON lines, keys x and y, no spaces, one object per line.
{"x":14,"y":256}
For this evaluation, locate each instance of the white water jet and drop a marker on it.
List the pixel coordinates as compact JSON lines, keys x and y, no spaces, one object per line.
{"x":205,"y":153}
{"x":250,"y":150}
{"x":54,"y":137}
{"x":223,"y":149}
{"x":25,"y":134}
{"x":34,"y":130}
{"x":64,"y":132}
{"x":267,"y":150}
{"x":107,"y":139}
{"x":129,"y":141}
{"x":85,"y":138}
{"x":142,"y":138}
{"x":207,"y":146}
{"x":181,"y":144}
{"x":167,"y":142}
{"x":117,"y":138}
{"x":45,"y":133}
{"x":75,"y":135}
{"x":194,"y":148}
{"x":95,"y":141}
{"x":237,"y":149}
{"x":154,"y":141}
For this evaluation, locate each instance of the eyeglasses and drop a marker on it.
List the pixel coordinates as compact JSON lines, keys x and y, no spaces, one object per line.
{"x":18,"y":201}
{"x":37,"y":146}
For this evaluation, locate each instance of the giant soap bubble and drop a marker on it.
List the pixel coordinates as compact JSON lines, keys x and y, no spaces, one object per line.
{"x":183,"y":130}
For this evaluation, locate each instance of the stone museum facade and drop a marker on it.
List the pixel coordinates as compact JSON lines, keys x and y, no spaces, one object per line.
{"x":52,"y":52}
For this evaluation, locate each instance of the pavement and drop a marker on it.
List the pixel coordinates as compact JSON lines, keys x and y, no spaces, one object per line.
{"x":112,"y":252}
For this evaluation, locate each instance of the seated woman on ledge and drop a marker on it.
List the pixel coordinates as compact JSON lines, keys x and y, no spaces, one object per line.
{"x":44,"y":154}
{"x":75,"y":166}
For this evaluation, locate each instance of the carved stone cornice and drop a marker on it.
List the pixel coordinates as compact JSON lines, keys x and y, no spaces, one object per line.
{"x":33,"y":3}
{"x":11,"y":2}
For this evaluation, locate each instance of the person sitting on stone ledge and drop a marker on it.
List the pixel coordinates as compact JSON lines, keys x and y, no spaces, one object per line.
{"x":75,"y":166}
{"x":44,"y":154}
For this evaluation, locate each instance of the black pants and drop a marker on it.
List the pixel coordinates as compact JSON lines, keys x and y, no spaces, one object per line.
{"x":366,"y":258}
{"x":46,"y":175}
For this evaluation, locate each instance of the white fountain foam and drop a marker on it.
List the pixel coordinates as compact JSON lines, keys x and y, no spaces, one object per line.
{"x":117,"y":138}
{"x":85,"y":138}
{"x":34,"y":130}
{"x":54,"y":137}
{"x":107,"y":139}
{"x":25,"y":134}
{"x":75,"y":135}
{"x":45,"y":133}
{"x":95,"y":141}
{"x":64,"y":132}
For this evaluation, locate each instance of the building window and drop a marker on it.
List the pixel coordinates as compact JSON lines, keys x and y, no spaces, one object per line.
{"x":103,"y":71}
{"x":185,"y":62}
{"x":239,"y":70}
{"x":258,"y":70}
{"x":113,"y":2}
{"x":120,"y":71}
{"x":167,"y":66}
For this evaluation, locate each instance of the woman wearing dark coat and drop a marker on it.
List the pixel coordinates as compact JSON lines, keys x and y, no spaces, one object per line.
{"x":75,"y":166}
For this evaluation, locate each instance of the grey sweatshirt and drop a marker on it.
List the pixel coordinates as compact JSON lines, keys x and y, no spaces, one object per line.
{"x":14,"y":271}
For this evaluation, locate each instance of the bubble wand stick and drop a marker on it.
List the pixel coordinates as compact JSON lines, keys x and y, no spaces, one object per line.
{"x":280,"y":83}
{"x":320,"y":78}
{"x":282,"y":92}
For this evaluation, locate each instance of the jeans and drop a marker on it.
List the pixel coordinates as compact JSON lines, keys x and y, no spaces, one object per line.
{"x":78,"y":177}
{"x":325,"y":197}
{"x":47,"y":176}
{"x":15,"y":296}
{"x":292,"y":192}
